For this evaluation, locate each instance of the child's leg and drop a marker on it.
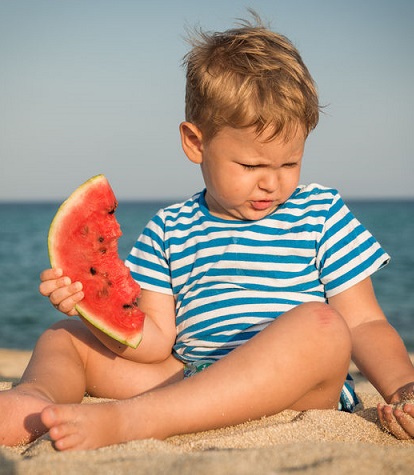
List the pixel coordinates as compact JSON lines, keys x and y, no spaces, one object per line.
{"x":67,"y":361}
{"x":300,"y":361}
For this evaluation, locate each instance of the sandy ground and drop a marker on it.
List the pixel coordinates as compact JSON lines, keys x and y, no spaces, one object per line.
{"x":311,"y":442}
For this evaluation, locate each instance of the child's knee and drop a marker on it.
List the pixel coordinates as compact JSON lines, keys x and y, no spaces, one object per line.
{"x":68,"y":336}
{"x":323,"y":313}
{"x":69,"y":329}
{"x":329,"y":322}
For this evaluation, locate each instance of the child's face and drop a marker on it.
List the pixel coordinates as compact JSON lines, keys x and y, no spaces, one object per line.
{"x":247,"y":178}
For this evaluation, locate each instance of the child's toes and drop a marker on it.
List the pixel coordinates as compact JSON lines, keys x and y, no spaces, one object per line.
{"x":49,"y":416}
{"x":68,"y":442}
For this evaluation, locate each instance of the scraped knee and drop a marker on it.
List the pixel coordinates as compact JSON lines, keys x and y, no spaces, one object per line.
{"x":330,"y":323}
{"x":325,"y":314}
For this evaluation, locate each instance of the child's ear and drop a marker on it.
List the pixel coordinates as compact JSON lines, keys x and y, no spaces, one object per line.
{"x":191,"y":141}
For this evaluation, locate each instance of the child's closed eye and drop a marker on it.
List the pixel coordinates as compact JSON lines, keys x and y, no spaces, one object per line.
{"x":248,"y":166}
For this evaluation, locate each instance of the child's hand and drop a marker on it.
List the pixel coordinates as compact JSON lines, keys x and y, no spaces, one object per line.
{"x":398,"y":417}
{"x":62,"y":293}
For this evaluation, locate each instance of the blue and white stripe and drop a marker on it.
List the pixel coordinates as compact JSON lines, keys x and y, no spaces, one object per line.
{"x":232,"y":278}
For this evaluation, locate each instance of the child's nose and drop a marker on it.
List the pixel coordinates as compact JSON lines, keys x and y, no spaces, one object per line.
{"x":269,"y":181}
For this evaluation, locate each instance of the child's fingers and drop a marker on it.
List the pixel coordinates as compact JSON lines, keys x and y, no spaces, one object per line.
{"x":390,"y":423}
{"x":404,"y":415}
{"x":47,"y":287}
{"x":50,"y":274}
{"x":64,"y":298}
{"x":67,"y":306}
{"x":382,"y":418}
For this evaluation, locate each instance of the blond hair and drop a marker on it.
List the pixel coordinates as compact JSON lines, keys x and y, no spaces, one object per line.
{"x":248,"y":76}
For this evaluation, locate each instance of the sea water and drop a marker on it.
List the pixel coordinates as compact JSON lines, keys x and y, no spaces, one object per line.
{"x":25,"y":314}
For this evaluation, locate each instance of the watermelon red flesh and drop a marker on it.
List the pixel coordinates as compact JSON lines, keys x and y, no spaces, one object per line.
{"x":83,"y":241}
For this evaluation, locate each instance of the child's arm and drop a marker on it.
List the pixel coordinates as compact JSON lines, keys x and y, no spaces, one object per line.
{"x":378,"y":350}
{"x":159,"y":326}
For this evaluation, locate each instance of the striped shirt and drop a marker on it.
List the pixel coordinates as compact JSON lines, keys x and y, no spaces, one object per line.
{"x":231,"y":278}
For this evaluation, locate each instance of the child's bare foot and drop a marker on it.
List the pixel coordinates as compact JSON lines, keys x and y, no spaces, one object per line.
{"x":20,"y":410}
{"x":84,"y":426}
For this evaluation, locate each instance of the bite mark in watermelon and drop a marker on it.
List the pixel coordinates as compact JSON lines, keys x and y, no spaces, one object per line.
{"x":83,"y":241}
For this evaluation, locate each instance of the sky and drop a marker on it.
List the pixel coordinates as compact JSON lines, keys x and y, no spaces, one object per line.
{"x":97,"y":86}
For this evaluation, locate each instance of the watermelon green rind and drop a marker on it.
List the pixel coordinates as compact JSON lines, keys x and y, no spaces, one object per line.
{"x":87,"y":218}
{"x":132,"y":341}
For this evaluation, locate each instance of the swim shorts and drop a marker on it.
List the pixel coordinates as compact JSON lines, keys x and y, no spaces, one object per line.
{"x":347,"y":401}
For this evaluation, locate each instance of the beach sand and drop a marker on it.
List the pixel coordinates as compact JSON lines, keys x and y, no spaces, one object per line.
{"x":311,"y":442}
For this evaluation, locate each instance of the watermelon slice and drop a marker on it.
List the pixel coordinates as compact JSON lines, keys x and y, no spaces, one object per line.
{"x":83,"y":241}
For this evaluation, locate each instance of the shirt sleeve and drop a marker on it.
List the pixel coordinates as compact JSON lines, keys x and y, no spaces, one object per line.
{"x":347,"y":253}
{"x":148,"y":260}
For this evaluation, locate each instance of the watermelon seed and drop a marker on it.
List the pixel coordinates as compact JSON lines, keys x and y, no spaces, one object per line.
{"x":112,"y":211}
{"x":92,"y":270}
{"x":126,"y":306}
{"x":101,"y":239}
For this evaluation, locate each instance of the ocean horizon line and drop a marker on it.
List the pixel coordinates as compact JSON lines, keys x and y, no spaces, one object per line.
{"x":53,"y":201}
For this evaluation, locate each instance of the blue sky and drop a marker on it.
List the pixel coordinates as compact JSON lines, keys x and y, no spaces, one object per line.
{"x":90,"y":87}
